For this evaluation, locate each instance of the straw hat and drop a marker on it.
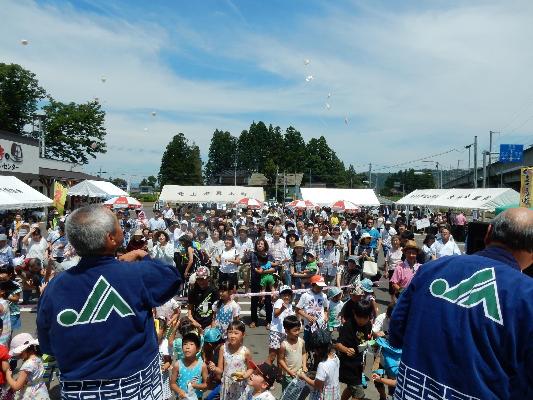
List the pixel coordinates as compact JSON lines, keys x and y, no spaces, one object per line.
{"x":299,"y":243}
{"x":411,"y":244}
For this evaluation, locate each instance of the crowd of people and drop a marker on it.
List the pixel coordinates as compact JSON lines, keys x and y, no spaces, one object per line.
{"x":311,"y":277}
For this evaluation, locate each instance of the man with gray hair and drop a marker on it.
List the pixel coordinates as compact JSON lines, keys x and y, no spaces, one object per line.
{"x":465,"y":323}
{"x":96,"y":318}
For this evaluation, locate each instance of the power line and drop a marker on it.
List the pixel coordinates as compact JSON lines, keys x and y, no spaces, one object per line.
{"x":419,"y":159}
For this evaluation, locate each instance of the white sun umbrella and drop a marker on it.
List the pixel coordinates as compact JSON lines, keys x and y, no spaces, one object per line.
{"x":301,"y":205}
{"x":345,"y":205}
{"x":123,"y":202}
{"x":251,"y":203}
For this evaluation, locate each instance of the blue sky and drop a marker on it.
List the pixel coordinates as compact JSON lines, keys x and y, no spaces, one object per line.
{"x":412,"y":79}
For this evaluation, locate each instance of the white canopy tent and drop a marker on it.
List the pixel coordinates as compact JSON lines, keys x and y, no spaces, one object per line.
{"x":209,"y":194}
{"x":467,"y":199}
{"x":100,"y":189}
{"x":325,"y":196}
{"x":15,"y":194}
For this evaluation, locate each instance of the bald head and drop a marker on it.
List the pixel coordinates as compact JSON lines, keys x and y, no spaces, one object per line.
{"x":513,"y":229}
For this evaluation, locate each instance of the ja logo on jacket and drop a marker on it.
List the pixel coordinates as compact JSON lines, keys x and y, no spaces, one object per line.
{"x":480,"y":288}
{"x":102,"y":301}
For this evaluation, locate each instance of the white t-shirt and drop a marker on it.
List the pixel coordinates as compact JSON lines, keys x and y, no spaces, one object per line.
{"x":381,"y":324}
{"x":313,"y":304}
{"x":226,"y":266}
{"x":328,"y":372}
{"x":438,"y":249}
{"x":167,"y":310}
{"x":249,"y":395}
{"x":277,"y":322}
{"x":36,"y":249}
{"x":242,"y":246}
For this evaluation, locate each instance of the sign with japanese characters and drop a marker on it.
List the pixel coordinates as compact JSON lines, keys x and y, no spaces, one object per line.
{"x":526,"y":188}
{"x":18,"y":157}
{"x":209,"y":194}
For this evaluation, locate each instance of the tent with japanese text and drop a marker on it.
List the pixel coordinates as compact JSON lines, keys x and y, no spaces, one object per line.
{"x":209,"y":194}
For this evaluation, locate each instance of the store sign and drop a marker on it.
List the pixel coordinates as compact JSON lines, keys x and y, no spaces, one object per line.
{"x":18,"y":157}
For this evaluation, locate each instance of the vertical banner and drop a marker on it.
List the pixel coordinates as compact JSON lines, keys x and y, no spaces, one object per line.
{"x":526,"y":187}
{"x":60,"y":196}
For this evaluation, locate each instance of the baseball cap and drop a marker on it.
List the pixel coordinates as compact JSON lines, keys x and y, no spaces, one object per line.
{"x":267,"y":371}
{"x":285,"y":288}
{"x":311,"y":253}
{"x":353,"y":258}
{"x":388,"y":222}
{"x":202,"y":272}
{"x":318,"y":280}
{"x":184,"y":222}
{"x":334,"y":291}
{"x":367,"y":286}
{"x":356,"y":290}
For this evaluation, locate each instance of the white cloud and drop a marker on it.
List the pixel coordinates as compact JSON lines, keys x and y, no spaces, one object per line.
{"x":411,"y":82}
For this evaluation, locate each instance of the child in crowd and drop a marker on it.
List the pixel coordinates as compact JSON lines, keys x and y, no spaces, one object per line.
{"x":4,"y":360}
{"x":5,"y":288}
{"x":7,"y":273}
{"x":329,"y":262}
{"x":259,"y":383}
{"x":28,"y":383}
{"x":313,"y":307}
{"x":326,"y":381}
{"x":292,"y":357}
{"x":380,"y":327}
{"x":267,"y":279}
{"x":190,"y":373}
{"x":164,"y":353}
{"x":282,"y":309}
{"x":233,"y":360}
{"x":311,"y":267}
{"x":183,"y":326}
{"x":335,"y":307}
{"x":351,"y":344}
{"x":225,"y":309}
{"x":368,"y":288}
{"x":213,"y":343}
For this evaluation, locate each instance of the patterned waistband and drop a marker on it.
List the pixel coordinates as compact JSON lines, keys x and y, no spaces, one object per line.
{"x":146,"y":384}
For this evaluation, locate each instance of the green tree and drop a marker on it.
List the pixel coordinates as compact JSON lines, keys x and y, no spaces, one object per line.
{"x":73,"y":132}
{"x":181,"y":163}
{"x":150,"y":181}
{"x":19,"y":96}
{"x":324,"y":164}
{"x":222,"y":154}
{"x":353,"y":179}
{"x":294,"y":151}
{"x":121,"y":183}
{"x":409,"y":180}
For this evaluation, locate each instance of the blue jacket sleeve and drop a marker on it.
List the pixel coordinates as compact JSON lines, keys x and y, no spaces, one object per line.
{"x":161,"y":282}
{"x":398,"y":321}
{"x":43,"y":324}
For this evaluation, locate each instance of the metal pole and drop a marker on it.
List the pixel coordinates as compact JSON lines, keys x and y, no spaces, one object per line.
{"x":235,"y":177}
{"x":277,"y":170}
{"x":490,"y":156}
{"x":284,"y":187}
{"x":475,"y":161}
{"x":370,"y":175}
{"x":484,"y":169}
{"x":469,"y":166}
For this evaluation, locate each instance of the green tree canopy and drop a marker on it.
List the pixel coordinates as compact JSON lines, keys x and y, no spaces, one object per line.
{"x":121,"y":183}
{"x":410,"y":180}
{"x":19,"y":96}
{"x":74,"y":132}
{"x":150,"y":181}
{"x":222,"y":154}
{"x":181,"y":163}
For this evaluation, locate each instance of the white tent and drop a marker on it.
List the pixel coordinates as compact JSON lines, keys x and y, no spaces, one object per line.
{"x":101,"y":189}
{"x":467,"y":199}
{"x":16,"y":194}
{"x":209,"y":194}
{"x":325,"y":196}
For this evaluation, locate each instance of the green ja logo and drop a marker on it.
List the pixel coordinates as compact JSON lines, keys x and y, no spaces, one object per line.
{"x":479,"y":288}
{"x":101,"y":302}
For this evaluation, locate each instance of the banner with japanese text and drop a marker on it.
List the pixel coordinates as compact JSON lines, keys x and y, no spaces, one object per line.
{"x":526,"y":187}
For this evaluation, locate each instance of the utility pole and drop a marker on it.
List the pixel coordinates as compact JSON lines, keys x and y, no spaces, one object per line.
{"x":490,"y":155}
{"x":235,"y":176}
{"x":284,"y":187}
{"x":277,"y":172}
{"x":469,"y":171}
{"x":370,"y":175}
{"x":309,"y":177}
{"x":100,"y":172}
{"x":475,"y":161}
{"x":484,"y":169}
